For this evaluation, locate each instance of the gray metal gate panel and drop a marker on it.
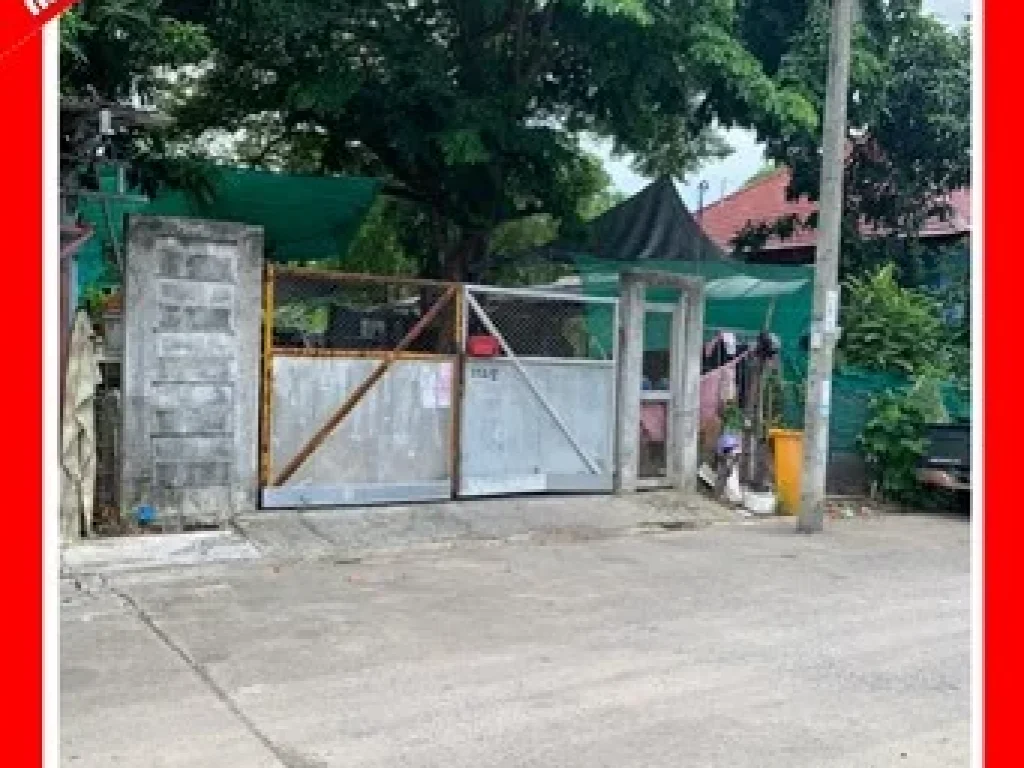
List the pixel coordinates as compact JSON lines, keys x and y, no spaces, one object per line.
{"x":535,"y":424}
{"x":510,"y":444}
{"x":393,"y":446}
{"x":360,"y":394}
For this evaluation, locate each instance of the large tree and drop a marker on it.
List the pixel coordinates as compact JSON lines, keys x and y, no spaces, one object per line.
{"x":910,"y":124}
{"x":113,"y":53}
{"x":475,"y":108}
{"x":396,"y":239}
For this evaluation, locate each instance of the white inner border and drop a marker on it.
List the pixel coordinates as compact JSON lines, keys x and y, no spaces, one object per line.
{"x":977,"y":387}
{"x":51,"y":392}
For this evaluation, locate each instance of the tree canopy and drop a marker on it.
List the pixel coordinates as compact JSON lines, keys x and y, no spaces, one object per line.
{"x":910,"y":125}
{"x":113,"y":53}
{"x":476,"y":109}
{"x":473,"y":110}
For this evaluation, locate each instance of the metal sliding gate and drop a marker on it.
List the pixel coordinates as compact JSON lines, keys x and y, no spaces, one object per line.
{"x":378,"y":390}
{"x":539,"y":415}
{"x":360,"y":385}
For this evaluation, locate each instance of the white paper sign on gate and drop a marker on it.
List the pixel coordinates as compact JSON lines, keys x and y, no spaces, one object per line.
{"x":428,"y":387}
{"x":443,"y":397}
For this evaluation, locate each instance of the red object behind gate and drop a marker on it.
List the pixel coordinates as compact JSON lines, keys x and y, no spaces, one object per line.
{"x":482,"y":346}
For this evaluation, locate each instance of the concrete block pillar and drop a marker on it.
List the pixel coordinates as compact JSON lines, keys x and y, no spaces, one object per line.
{"x":191,"y":370}
{"x":632,"y":304}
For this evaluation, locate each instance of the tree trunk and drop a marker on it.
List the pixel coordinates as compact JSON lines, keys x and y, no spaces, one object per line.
{"x":462,"y":261}
{"x":466,"y":260}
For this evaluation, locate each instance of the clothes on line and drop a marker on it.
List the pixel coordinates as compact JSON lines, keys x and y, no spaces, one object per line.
{"x":653,"y":422}
{"x":717,"y":387}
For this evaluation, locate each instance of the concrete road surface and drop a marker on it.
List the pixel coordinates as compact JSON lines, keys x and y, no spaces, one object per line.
{"x":732,"y":646}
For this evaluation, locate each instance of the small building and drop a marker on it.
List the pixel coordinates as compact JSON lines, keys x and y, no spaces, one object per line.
{"x":766,"y":200}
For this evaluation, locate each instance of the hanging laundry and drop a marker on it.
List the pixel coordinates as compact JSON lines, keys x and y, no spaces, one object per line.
{"x":729,"y":342}
{"x":717,"y":387}
{"x":710,"y":390}
{"x":711,"y":344}
{"x":727,"y":385}
{"x":653,"y":422}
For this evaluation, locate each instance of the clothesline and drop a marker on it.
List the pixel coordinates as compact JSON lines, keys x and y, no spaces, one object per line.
{"x":718,"y":386}
{"x":715,"y":387}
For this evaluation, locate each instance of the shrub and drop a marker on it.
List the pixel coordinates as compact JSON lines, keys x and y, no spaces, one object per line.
{"x":890,"y":328}
{"x":893,"y":440}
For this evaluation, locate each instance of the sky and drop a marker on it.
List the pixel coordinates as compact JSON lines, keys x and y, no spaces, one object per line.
{"x":726,"y":176}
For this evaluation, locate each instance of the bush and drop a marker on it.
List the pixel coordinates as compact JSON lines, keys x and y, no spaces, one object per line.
{"x":893,"y":440}
{"x":890,"y":328}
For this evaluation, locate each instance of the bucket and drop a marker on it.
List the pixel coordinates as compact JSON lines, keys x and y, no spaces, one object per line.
{"x":788,"y":450}
{"x":759,"y":503}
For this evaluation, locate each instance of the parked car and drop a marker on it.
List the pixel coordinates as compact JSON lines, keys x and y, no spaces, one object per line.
{"x":947,"y":461}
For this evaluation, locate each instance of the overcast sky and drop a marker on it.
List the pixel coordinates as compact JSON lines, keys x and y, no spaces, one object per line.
{"x":727,"y":175}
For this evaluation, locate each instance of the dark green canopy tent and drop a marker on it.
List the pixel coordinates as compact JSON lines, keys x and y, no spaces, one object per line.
{"x":653,"y":225}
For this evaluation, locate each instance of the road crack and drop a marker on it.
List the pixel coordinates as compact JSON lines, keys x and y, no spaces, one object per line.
{"x":286,"y":757}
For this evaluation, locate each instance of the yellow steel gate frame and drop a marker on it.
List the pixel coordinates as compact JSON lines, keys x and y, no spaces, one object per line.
{"x":271,"y":477}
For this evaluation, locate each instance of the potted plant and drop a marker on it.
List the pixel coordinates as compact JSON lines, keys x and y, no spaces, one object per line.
{"x":733,"y":419}
{"x":112,"y":302}
{"x":92,"y":302}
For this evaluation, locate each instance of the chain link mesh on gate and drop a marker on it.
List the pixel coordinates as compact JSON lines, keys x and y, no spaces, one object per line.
{"x":317,"y":309}
{"x":536,"y":324}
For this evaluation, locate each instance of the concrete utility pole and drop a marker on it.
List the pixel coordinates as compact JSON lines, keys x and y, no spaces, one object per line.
{"x":824,"y":327}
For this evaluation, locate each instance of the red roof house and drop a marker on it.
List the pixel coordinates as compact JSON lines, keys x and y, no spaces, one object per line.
{"x":764,"y":202}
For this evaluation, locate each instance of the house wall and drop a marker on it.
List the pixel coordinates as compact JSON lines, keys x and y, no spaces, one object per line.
{"x":786,"y":256}
{"x":805,"y":254}
{"x":191,"y":367}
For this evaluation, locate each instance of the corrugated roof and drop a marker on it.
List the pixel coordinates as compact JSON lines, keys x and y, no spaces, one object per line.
{"x":765,"y":201}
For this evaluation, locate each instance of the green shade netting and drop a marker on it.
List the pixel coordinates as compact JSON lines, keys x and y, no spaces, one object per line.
{"x":303,"y":217}
{"x":852,"y":392}
{"x":738,"y":299}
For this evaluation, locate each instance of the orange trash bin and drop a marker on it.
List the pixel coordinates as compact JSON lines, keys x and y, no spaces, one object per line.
{"x":788,"y":452}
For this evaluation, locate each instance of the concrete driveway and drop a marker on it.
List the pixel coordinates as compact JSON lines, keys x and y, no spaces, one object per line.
{"x":731,"y":646}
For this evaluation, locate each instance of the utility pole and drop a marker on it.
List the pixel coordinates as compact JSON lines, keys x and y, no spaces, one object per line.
{"x":702,"y":187}
{"x":824,"y":323}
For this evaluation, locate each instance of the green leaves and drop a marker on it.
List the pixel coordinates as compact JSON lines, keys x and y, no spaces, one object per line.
{"x":111,"y":47}
{"x":478,"y":109}
{"x":909,"y":112}
{"x":634,"y":9}
{"x":890,"y":328}
{"x":463,"y":146}
{"x":893,"y":442}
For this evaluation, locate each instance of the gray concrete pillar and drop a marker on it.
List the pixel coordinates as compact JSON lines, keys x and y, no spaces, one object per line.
{"x":676,"y":455}
{"x":688,"y":318}
{"x":630,"y":382}
{"x":191,"y":370}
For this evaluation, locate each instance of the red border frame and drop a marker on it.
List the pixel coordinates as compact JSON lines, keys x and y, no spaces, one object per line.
{"x":21,"y":646}
{"x":1003,"y":666}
